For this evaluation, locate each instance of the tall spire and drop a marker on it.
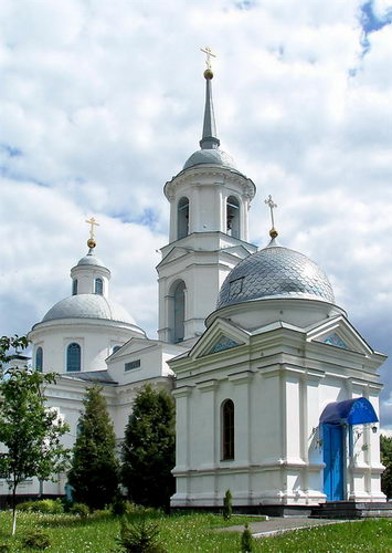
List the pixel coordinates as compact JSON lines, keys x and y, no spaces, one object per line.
{"x":209,"y":138}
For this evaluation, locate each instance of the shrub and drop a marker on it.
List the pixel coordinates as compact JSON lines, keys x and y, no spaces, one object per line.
{"x":140,"y":537}
{"x":119,"y":506}
{"x":36,"y":539}
{"x":80,"y":509}
{"x":246,"y":540}
{"x":49,"y":506}
{"x":4,"y":548}
{"x":227,"y":505}
{"x":67,"y":504}
{"x":25,"y":506}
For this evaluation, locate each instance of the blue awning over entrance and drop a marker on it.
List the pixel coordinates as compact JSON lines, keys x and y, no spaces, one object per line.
{"x":350,"y":411}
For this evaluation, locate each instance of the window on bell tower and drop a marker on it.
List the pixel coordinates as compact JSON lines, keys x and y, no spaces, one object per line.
{"x":233,"y":217}
{"x":74,"y":286}
{"x":177,"y":316}
{"x":182,"y":218}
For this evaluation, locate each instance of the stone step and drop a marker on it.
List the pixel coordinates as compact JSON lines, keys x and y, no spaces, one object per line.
{"x":352,"y":510}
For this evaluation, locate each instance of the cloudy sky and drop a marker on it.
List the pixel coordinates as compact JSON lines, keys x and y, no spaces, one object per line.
{"x":101,"y":103}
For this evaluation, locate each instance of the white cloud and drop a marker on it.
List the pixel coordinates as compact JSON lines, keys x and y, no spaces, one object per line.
{"x":102,"y":103}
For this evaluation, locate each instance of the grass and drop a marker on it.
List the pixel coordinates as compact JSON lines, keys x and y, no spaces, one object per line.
{"x":197,"y":533}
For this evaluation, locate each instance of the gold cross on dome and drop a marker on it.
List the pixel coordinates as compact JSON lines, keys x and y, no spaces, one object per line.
{"x":93,"y":223}
{"x":209,"y":53}
{"x":272,"y":205}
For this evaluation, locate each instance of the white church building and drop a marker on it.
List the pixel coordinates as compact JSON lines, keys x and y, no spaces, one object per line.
{"x":277,"y":394}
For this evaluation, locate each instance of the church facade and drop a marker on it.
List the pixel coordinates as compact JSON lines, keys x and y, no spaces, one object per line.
{"x":276,"y":392}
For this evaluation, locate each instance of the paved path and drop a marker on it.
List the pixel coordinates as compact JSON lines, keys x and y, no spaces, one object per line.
{"x":279,"y":525}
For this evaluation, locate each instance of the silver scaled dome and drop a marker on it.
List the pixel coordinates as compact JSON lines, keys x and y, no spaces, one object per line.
{"x":213,"y":156}
{"x":275,"y":272}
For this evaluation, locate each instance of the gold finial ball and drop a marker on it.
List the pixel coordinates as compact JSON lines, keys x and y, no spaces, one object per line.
{"x":273,"y":233}
{"x":91,"y":243}
{"x":208,"y":74}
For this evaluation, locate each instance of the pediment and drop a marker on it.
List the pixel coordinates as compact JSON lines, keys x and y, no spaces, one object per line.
{"x":239,"y":251}
{"x":339,"y":333}
{"x":174,"y":254}
{"x":219,"y":337}
{"x":134,"y":345}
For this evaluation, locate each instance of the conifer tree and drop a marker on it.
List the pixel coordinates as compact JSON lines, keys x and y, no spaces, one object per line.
{"x":95,"y":468}
{"x":246,"y":540}
{"x":227,"y":505}
{"x":148,"y":451}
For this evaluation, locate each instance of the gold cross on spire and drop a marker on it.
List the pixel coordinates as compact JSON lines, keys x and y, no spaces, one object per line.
{"x":207,"y":50}
{"x":272,"y":205}
{"x":93,"y":223}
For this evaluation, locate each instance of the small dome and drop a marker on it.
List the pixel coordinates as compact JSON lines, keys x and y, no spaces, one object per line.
{"x":212,"y":156}
{"x":88,"y":306}
{"x":90,"y":259}
{"x":275,"y":272}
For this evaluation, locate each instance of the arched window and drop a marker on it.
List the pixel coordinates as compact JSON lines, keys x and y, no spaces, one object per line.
{"x":73,"y":357}
{"x":99,"y":286}
{"x":233,"y":217}
{"x":178,"y":312}
{"x":227,"y":417}
{"x":115,"y":348}
{"x":74,"y":286}
{"x":183,"y":218}
{"x":39,"y":358}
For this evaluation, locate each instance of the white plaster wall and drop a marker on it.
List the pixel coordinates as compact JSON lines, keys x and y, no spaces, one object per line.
{"x":279,"y":392}
{"x":96,"y":339}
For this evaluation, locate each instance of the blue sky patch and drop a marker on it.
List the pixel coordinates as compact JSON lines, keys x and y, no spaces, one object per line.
{"x":371,"y":21}
{"x":11,"y":151}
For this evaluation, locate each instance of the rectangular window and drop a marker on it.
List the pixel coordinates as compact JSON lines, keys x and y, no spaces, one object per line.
{"x":132,"y":365}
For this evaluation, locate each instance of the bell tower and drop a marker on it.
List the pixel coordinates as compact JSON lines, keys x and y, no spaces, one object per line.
{"x":209,"y":202}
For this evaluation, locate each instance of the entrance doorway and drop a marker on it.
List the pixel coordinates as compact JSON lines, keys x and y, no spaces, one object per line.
{"x":333,"y":459}
{"x":335,"y":419}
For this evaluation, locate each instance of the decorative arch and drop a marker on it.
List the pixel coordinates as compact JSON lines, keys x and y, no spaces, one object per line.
{"x":233,"y":221}
{"x":350,"y":411}
{"x":227,"y":430}
{"x":182,"y":218}
{"x":177,"y":311}
{"x":74,"y":357}
{"x":39,"y":358}
{"x":98,"y":286}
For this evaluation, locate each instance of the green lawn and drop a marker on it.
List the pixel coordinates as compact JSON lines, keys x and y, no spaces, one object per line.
{"x":196,"y":533}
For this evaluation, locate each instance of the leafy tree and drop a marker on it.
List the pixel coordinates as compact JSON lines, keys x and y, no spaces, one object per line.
{"x":148,"y":451}
{"x":95,"y":468}
{"x":29,"y":430}
{"x":386,"y":459}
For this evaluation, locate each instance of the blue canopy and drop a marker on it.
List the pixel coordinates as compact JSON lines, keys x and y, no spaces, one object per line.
{"x":350,"y":411}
